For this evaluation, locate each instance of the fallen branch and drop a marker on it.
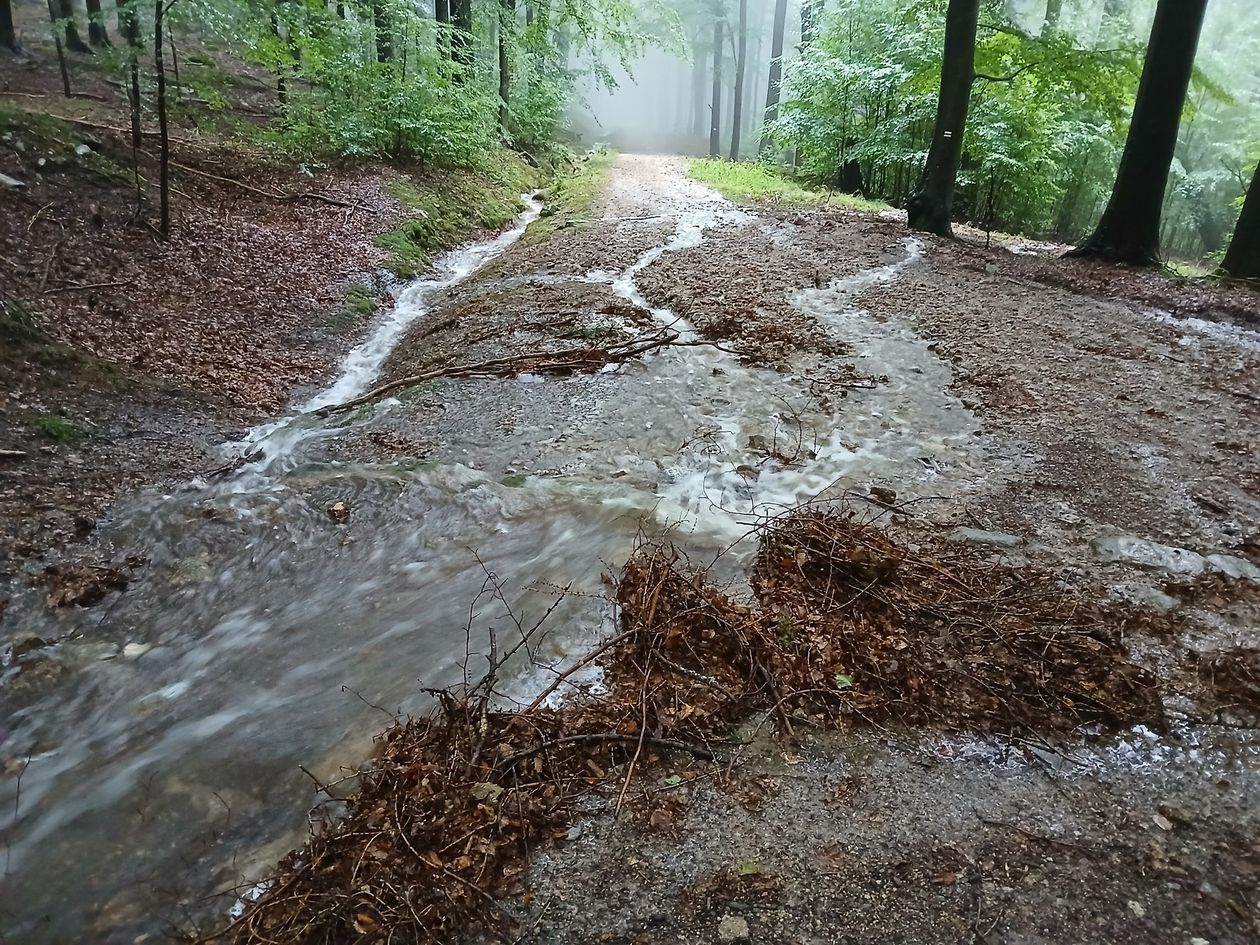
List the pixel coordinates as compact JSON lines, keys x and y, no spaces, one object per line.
{"x":566,"y":359}
{"x":669,"y":743}
{"x":82,"y":288}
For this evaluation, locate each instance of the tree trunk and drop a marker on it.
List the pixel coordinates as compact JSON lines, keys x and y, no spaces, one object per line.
{"x":65,"y":13}
{"x":442,"y":17}
{"x":776,"y":70}
{"x":1054,"y":12}
{"x":741,"y":61}
{"x":1242,"y":259}
{"x":164,"y":162}
{"x":129,"y":26}
{"x":380,"y":22}
{"x":1129,"y":229}
{"x":8,"y":35}
{"x":61,"y":50}
{"x":931,"y":205}
{"x":461,"y":32}
{"x":97,"y":34}
{"x":282,"y":89}
{"x":699,"y":73}
{"x":507,"y":18}
{"x":810,"y":10}
{"x":715,"y":103}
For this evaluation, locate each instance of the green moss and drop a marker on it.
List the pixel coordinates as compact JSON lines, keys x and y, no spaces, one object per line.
{"x":361,"y":301}
{"x":515,"y":481}
{"x":570,"y":201}
{"x":451,"y":207}
{"x":58,"y":429}
{"x":760,"y":183}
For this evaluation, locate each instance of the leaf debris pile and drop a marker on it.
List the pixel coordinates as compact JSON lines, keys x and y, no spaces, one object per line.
{"x":848,"y":626}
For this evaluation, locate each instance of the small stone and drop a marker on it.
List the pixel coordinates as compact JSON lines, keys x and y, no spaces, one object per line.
{"x":339,"y":512}
{"x":759,"y":443}
{"x":884,"y":495}
{"x":1233,"y":566}
{"x":25,"y":643}
{"x":135,"y":650}
{"x":11,"y":183}
{"x":733,"y":928}
{"x":1162,"y":822}
{"x":1137,"y":908}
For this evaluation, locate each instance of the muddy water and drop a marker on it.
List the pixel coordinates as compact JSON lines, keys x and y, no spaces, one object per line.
{"x":264,"y":634}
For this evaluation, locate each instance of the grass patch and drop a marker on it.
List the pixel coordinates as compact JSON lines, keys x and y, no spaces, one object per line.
{"x":571,"y":199}
{"x":450,"y":207}
{"x":744,"y":182}
{"x":58,"y":429}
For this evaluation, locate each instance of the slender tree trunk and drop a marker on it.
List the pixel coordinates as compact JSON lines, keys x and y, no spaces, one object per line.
{"x":810,"y":10}
{"x":1129,"y":229}
{"x":462,"y":32}
{"x":341,"y":10}
{"x":129,"y":26}
{"x":507,"y":19}
{"x":1242,"y":259}
{"x":61,"y":53}
{"x":1054,"y":11}
{"x":97,"y":34}
{"x":442,"y":17}
{"x":741,"y":62}
{"x":8,"y":35}
{"x":931,"y":205}
{"x":380,"y":22}
{"x":164,"y":161}
{"x":65,"y":12}
{"x":776,"y":70}
{"x":715,"y":104}
{"x":282,"y":88}
{"x":699,"y":74}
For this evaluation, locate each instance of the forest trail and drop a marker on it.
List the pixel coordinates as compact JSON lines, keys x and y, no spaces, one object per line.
{"x":286,"y":608}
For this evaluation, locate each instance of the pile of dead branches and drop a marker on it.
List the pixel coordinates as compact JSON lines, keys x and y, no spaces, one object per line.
{"x":847,"y":626}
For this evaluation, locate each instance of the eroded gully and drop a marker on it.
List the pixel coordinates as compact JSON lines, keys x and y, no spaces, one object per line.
{"x":263,"y":634}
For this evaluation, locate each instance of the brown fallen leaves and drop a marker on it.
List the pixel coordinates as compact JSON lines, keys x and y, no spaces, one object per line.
{"x":81,"y":585}
{"x":847,"y":626}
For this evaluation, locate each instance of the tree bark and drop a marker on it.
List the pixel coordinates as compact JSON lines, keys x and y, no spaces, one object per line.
{"x":461,"y":32}
{"x":507,"y":17}
{"x":380,"y":23}
{"x":776,"y":70}
{"x":715,"y":104}
{"x":1129,"y":229}
{"x":810,"y":12}
{"x":1242,"y":259}
{"x":164,"y":160}
{"x":129,"y":26}
{"x":1054,"y":12}
{"x":65,"y":13}
{"x":61,"y":50}
{"x":97,"y":34}
{"x":931,"y":205}
{"x":442,"y":17}
{"x":8,"y":35}
{"x":741,"y":61}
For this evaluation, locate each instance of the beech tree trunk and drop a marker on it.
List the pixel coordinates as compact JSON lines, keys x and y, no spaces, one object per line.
{"x":129,"y":26}
{"x":164,"y":158}
{"x":776,"y":69}
{"x":507,"y":17}
{"x":65,"y":12}
{"x":97,"y":34}
{"x":931,"y":205}
{"x":461,"y":32}
{"x":8,"y":36}
{"x":380,"y":23}
{"x":715,"y":104}
{"x":1054,"y":12}
{"x":1129,"y":229}
{"x":1242,"y":259}
{"x":741,"y":61}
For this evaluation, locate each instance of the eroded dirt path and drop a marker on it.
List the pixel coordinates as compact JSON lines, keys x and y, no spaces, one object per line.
{"x":290,"y":607}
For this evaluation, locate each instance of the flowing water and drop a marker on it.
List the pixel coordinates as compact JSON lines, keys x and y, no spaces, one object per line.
{"x":263,"y":634}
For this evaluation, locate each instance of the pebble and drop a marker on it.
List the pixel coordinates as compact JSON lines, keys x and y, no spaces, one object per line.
{"x":733,"y":928}
{"x":134,"y":650}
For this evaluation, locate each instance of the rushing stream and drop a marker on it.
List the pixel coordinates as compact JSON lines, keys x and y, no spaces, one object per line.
{"x":263,"y":634}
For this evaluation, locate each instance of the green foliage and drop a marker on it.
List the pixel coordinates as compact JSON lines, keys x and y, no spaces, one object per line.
{"x":1048,"y":119}
{"x":761,"y":183}
{"x":448,"y":208}
{"x":58,"y":429}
